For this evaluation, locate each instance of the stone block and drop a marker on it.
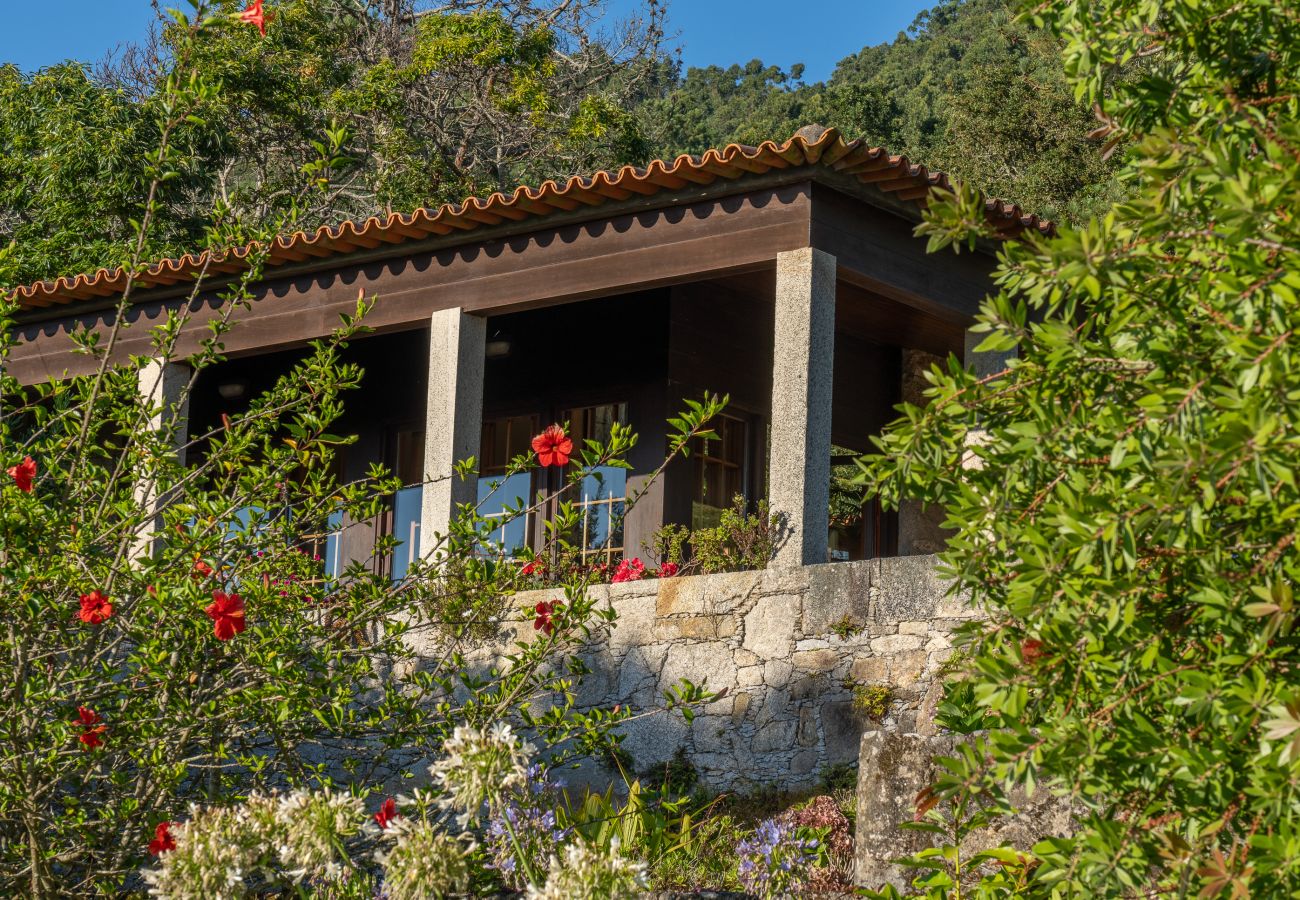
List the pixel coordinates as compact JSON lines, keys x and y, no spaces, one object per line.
{"x":634,"y":627}
{"x":909,"y":668}
{"x":740,"y":707}
{"x":837,"y":591}
{"x":809,"y":687}
{"x":806,"y":733}
{"x":712,"y":734}
{"x":749,"y":676}
{"x":913,"y":627}
{"x":653,"y":740}
{"x":804,"y":762}
{"x":703,"y":663}
{"x":775,"y":735}
{"x":893,"y":644}
{"x":908,"y":589}
{"x":704,"y":594}
{"x":841,"y":731}
{"x":744,"y":657}
{"x":892,"y":769}
{"x":815,"y":660}
{"x":870,"y":670}
{"x":769,"y":626}
{"x":777,"y":673}
{"x":811,"y":644}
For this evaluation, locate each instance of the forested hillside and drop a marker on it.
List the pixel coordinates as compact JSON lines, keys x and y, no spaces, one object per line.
{"x":353,"y":107}
{"x":968,"y":90}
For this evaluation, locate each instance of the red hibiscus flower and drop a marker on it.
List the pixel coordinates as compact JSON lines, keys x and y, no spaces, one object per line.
{"x":1032,"y":650}
{"x":387,"y":813}
{"x":553,"y":446}
{"x":25,"y":472}
{"x":91,"y":729}
{"x":201,"y":569}
{"x":255,"y":16}
{"x":227,"y":614}
{"x":162,"y":839}
{"x":545,"y":610}
{"x":668,"y":570}
{"x":95,"y":608}
{"x":629,"y":570}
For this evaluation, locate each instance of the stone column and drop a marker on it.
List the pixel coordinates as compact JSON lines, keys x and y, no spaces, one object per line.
{"x":983,"y":365}
{"x":454,"y":418}
{"x":163,"y":389}
{"x":803,"y":365}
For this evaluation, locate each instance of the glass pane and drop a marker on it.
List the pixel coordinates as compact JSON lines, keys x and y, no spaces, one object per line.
{"x":602,"y":494}
{"x":406,"y":528}
{"x":333,"y":546}
{"x":494,"y":495}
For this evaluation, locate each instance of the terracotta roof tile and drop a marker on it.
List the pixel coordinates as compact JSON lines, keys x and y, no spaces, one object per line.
{"x":811,"y":145}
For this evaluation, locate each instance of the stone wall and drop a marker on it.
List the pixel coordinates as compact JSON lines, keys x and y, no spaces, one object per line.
{"x":894,"y":767}
{"x":770,"y":639}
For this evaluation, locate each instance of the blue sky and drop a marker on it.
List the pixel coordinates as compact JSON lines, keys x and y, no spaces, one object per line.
{"x":721,"y":32}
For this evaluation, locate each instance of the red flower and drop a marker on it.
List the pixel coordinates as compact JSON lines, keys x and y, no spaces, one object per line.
{"x":227,"y":614}
{"x":91,"y":729}
{"x":24,"y":473}
{"x":255,"y":16}
{"x":629,"y":570}
{"x":387,"y":813}
{"x":162,"y":839}
{"x":668,"y":570}
{"x":553,"y":446}
{"x":201,"y":569}
{"x":545,"y":610}
{"x":1032,"y":650}
{"x":533,"y":567}
{"x":95,"y":608}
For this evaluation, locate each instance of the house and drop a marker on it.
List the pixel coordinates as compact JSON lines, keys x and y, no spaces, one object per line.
{"x":786,"y":276}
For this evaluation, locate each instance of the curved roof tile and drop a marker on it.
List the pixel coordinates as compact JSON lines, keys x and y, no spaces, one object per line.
{"x":811,"y":145}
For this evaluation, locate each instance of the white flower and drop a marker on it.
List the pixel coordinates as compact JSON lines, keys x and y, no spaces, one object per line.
{"x":587,"y":873}
{"x":478,"y":766}
{"x":311,"y":828}
{"x":215,"y":850}
{"x":424,"y":862}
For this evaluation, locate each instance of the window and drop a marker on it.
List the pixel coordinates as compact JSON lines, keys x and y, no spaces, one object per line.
{"x":721,"y":463}
{"x":407,"y":502}
{"x":602,"y":497}
{"x":503,"y":439}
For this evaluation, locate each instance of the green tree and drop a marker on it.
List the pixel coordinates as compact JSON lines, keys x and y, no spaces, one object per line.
{"x":383,"y":104}
{"x":1123,"y":491}
{"x":969,"y":89}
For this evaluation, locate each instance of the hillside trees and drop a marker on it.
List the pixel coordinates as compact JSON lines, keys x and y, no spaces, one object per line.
{"x":1123,"y":489}
{"x":969,"y":89}
{"x":384,"y":105}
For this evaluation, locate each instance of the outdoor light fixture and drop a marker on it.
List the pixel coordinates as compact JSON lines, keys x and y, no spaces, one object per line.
{"x":498,"y":348}
{"x":232,"y":390}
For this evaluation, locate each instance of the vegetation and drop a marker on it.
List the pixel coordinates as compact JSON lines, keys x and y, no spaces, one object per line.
{"x":172,"y":639}
{"x":351,"y":108}
{"x":969,"y":89}
{"x":1129,"y":519}
{"x":741,"y":541}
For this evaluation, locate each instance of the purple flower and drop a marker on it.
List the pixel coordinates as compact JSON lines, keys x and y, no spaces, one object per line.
{"x":775,"y":861}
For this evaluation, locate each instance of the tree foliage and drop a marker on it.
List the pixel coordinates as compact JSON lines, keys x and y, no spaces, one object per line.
{"x":969,"y":88}
{"x":1123,"y":490}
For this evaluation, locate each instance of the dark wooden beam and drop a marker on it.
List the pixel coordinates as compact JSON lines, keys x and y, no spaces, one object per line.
{"x":877,"y":251}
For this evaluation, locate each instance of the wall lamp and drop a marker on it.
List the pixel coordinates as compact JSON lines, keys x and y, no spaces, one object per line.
{"x":232,"y":390}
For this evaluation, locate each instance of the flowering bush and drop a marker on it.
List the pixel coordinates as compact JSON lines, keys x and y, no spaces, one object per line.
{"x":171,"y":639}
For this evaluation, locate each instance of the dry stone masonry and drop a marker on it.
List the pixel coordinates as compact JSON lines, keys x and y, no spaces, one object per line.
{"x":788,"y":645}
